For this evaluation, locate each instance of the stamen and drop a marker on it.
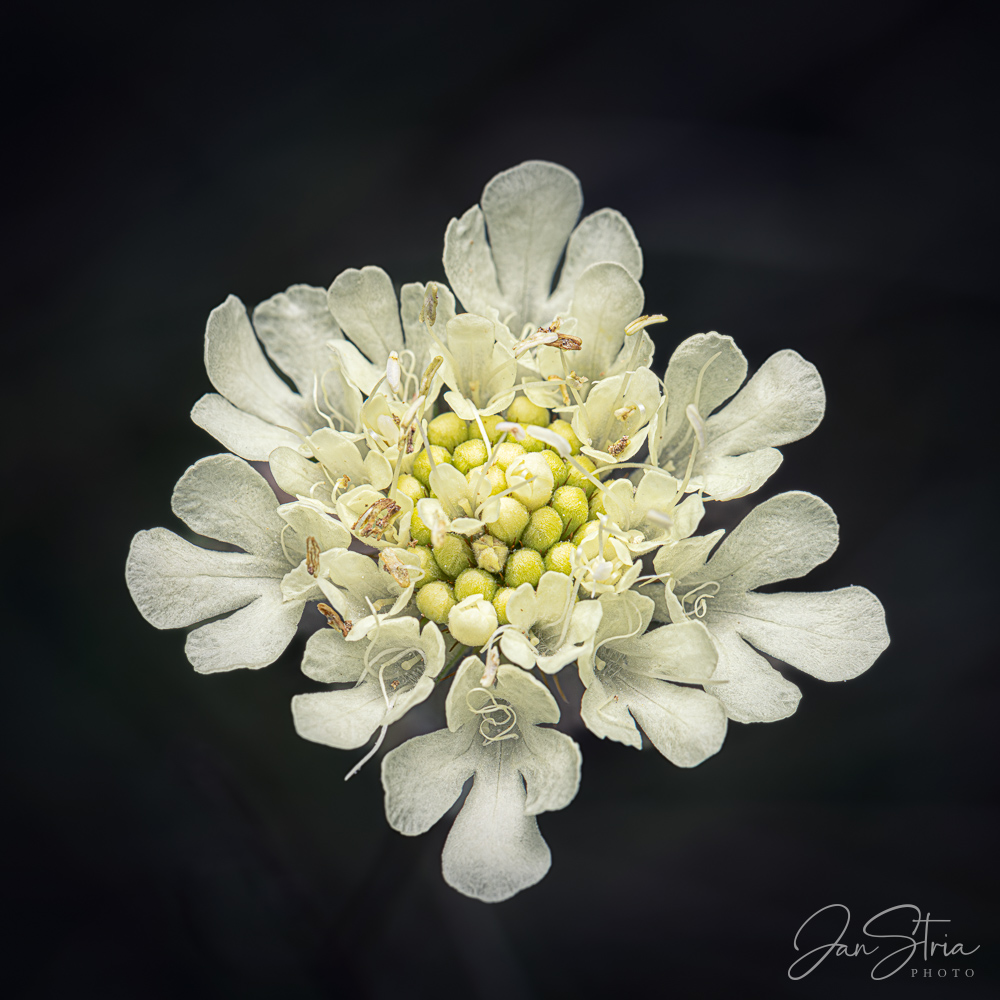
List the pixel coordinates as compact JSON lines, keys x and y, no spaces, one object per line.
{"x":428,"y":311}
{"x":659,"y":518}
{"x":312,"y":556}
{"x":556,"y":441}
{"x":429,"y":372}
{"x":392,"y":372}
{"x":642,"y":322}
{"x":371,"y":753}
{"x":398,"y":570}
{"x":334,"y":620}
{"x":694,"y":418}
{"x":492,"y":666}
{"x":614,"y":450}
{"x":377,"y":518}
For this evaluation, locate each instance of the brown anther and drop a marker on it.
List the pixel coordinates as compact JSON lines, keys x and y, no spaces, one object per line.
{"x":343,"y":482}
{"x":567,"y":342}
{"x":334,"y":620}
{"x":375,"y":520}
{"x":579,"y":379}
{"x":394,"y":417}
{"x":619,"y":446}
{"x":395,"y":567}
{"x":409,"y":439}
{"x":312,"y":556}
{"x":428,"y":311}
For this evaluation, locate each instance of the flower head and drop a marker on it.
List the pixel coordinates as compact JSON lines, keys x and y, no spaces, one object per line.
{"x":492,"y":483}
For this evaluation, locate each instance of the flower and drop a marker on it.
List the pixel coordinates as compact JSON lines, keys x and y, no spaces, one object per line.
{"x":390,"y":673}
{"x":833,"y":636}
{"x":782,"y":403}
{"x":513,"y":518}
{"x":634,"y":676}
{"x":495,"y":736}
{"x":175,"y":583}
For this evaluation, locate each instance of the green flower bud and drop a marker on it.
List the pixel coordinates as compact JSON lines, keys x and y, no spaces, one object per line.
{"x":523,"y":566}
{"x":473,"y":621}
{"x":531,"y":479}
{"x":422,"y":463}
{"x":419,"y":532}
{"x":524,"y":411}
{"x":453,"y":555}
{"x":530,"y":444}
{"x":596,"y":504}
{"x":512,"y":521}
{"x":468,"y":455}
{"x":475,"y":581}
{"x":490,"y":423}
{"x":435,"y":601}
{"x":490,"y":553}
{"x":426,"y":562}
{"x":507,"y":453}
{"x":544,"y":529}
{"x":411,"y":487}
{"x":570,"y":503}
{"x":564,"y":429}
{"x":500,"y":604}
{"x":576,"y":478}
{"x":448,"y":430}
{"x":559,"y":468}
{"x":559,"y":559}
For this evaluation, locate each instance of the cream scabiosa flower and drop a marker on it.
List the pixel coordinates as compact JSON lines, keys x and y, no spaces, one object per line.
{"x":175,"y":583}
{"x":393,"y":670}
{"x":783,"y":402}
{"x":520,"y":769}
{"x":634,"y":676}
{"x":834,"y":635}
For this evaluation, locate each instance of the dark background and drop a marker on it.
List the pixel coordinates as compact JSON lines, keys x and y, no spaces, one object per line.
{"x":819,"y":176}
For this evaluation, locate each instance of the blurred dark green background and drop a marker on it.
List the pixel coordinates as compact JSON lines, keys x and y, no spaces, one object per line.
{"x":814,"y":176}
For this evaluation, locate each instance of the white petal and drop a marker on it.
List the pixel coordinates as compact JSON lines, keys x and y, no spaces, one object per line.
{"x":246,"y":435}
{"x":755,"y":691}
{"x":238,"y":369}
{"x":682,"y":652}
{"x":834,"y":635}
{"x":307,"y":520}
{"x":331,"y":659}
{"x":606,"y":716}
{"x":783,"y":402}
{"x":343,"y":719}
{"x":423,"y":778}
{"x":551,"y":770}
{"x":224,"y":498}
{"x":781,"y":539}
{"x":355,"y":366}
{"x":494,"y":850}
{"x":296,"y":327}
{"x":298,"y":475}
{"x":517,"y":649}
{"x":253,"y":637}
{"x":175,"y":583}
{"x":364,"y":304}
{"x":686,"y":725}
{"x":725,"y":477}
{"x":530,"y":212}
{"x":468,"y":262}
{"x":721,"y":379}
{"x":606,"y":299}
{"x":603,"y":236}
